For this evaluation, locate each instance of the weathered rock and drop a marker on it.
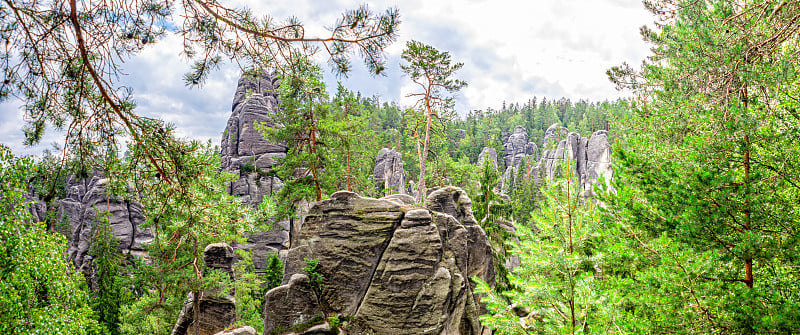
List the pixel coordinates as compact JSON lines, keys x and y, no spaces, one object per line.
{"x":588,"y":158}
{"x":247,"y":154}
{"x":76,"y":214}
{"x":217,"y":310}
{"x":289,"y":305}
{"x":393,"y":267}
{"x":400,"y":199}
{"x":516,"y":146}
{"x":244,"y":150}
{"x":388,"y":173}
{"x":489,"y":154}
{"x":244,"y":330}
{"x":552,"y":135}
{"x":460,"y":134}
{"x":598,"y":156}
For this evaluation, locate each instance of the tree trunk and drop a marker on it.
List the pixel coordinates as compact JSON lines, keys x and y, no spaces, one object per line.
{"x":421,"y":184}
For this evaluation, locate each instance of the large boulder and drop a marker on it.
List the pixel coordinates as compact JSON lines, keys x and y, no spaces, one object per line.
{"x":393,"y":267}
{"x":216,"y":310}
{"x":388,"y":172}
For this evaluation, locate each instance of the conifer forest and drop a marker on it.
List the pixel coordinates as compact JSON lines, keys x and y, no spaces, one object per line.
{"x":379,"y":173}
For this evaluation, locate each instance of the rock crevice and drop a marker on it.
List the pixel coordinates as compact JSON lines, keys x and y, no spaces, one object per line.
{"x":393,"y":267}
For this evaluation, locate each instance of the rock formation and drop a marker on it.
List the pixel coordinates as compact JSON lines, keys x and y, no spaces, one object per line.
{"x":217,"y":310}
{"x":76,"y":215}
{"x":249,"y":156}
{"x":388,"y":172}
{"x":591,"y":157}
{"x":395,"y":268}
{"x":244,"y":150}
{"x":246,"y":330}
{"x":489,"y":154}
{"x":518,"y":147}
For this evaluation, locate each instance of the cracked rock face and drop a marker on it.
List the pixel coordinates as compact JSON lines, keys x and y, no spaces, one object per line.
{"x":518,"y":147}
{"x":78,"y":212}
{"x":591,"y":157}
{"x":244,"y":150}
{"x":388,"y":172}
{"x":250,"y":157}
{"x":394,"y":267}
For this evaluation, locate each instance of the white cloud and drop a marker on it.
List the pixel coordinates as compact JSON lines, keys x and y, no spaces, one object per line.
{"x":512,"y":50}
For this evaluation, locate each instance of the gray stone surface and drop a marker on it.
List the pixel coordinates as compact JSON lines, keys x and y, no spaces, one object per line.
{"x":217,"y":310}
{"x":488,"y":154}
{"x":589,"y":159}
{"x":388,"y":172}
{"x":243,"y":149}
{"x":244,"y":330}
{"x":394,"y":267}
{"x":248,"y":155}
{"x":84,"y":204}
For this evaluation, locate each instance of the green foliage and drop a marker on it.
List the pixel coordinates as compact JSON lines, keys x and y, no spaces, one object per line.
{"x":304,"y":106}
{"x":334,"y":322}
{"x":489,"y":210}
{"x":108,"y":261}
{"x":39,"y":291}
{"x":555,"y":283}
{"x":311,"y":269}
{"x":186,"y":215}
{"x":431,"y":69}
{"x":274,"y":273}
{"x":149,"y":314}
{"x":703,"y":229}
{"x":347,"y":131}
{"x":249,"y":166}
{"x":249,"y":293}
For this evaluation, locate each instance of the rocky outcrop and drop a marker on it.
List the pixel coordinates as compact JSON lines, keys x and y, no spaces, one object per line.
{"x":217,"y":310}
{"x":388,"y":172}
{"x":598,"y":158}
{"x":518,"y":147}
{"x":244,"y":150}
{"x":590,"y":159}
{"x":84,"y":204}
{"x":251,"y":158}
{"x":393,"y":267}
{"x":488,"y":154}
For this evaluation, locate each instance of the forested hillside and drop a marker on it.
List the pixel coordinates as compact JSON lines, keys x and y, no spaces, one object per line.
{"x":323,"y":210}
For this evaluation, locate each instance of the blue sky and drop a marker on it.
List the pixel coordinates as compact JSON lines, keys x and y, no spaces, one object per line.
{"x":511,"y":50}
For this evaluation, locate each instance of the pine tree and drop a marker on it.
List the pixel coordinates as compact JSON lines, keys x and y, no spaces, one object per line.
{"x":431,"y":69}
{"x":707,"y":195}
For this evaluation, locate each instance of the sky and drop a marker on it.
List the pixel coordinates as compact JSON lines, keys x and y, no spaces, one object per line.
{"x":512,"y":51}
